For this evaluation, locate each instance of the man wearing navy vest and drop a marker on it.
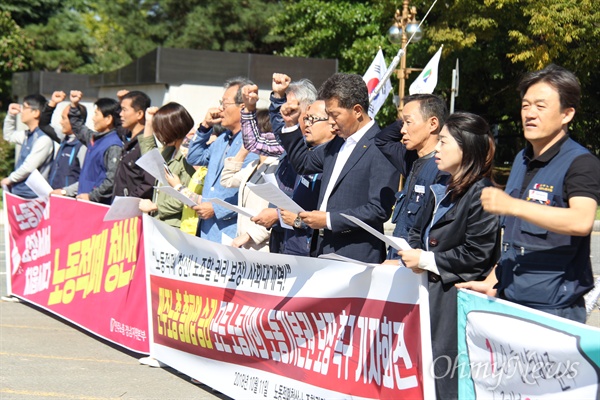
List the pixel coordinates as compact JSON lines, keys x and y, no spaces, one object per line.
{"x":70,"y":154}
{"x":549,"y":204}
{"x":97,"y":176}
{"x":409,"y":145}
{"x":36,"y":148}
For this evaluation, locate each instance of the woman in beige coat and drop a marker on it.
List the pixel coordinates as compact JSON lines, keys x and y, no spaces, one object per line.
{"x":249,"y":234}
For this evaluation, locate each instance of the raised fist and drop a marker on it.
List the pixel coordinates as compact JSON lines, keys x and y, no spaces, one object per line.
{"x":290,"y":112}
{"x":75,"y":97}
{"x":250,"y":97}
{"x":57,"y":97}
{"x":14,"y":108}
{"x":280,"y":84}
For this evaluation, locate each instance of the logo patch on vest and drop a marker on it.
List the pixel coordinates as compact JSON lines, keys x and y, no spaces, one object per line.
{"x":538,"y":197}
{"x":543,"y":187}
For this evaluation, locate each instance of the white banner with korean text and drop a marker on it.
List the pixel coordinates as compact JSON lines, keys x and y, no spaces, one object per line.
{"x":508,"y":351}
{"x":254,"y":325}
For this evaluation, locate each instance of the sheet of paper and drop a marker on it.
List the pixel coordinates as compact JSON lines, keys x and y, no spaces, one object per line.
{"x":396,"y":243}
{"x":240,"y":210}
{"x":270,"y":178}
{"x":38,"y":184}
{"x":176,"y":194}
{"x":333,"y":256}
{"x":226,"y":240}
{"x":154,"y":163}
{"x":274,"y":195}
{"x":123,"y":208}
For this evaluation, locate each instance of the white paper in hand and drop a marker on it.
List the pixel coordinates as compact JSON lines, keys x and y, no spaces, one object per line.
{"x":274,"y":195}
{"x":270,"y":178}
{"x":240,"y":210}
{"x":176,"y":194}
{"x":38,"y":184}
{"x":154,"y":163}
{"x":281,"y":223}
{"x":396,"y":243}
{"x":123,"y":208}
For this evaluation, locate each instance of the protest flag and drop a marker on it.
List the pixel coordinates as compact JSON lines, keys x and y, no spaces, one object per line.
{"x":427,"y":79}
{"x":372,"y":77}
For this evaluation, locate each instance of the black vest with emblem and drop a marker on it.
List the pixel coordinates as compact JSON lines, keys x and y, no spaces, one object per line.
{"x":539,"y":268}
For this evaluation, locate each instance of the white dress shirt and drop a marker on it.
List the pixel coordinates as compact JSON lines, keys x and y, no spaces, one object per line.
{"x":340,"y":162}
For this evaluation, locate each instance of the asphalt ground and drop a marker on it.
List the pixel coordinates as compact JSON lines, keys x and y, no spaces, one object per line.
{"x":44,"y":357}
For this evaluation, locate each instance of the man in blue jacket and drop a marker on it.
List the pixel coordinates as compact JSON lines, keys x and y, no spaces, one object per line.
{"x":216,"y":223}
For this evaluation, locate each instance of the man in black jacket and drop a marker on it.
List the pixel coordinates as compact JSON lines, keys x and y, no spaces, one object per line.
{"x":130,"y":179}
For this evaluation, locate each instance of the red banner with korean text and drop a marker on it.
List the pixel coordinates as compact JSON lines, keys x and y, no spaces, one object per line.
{"x":257,"y":325}
{"x":62,"y":256}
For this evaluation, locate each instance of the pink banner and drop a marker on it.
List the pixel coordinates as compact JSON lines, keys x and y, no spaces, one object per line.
{"x":64,"y":258}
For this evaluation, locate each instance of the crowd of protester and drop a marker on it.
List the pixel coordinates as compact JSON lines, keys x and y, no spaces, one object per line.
{"x":332,"y":159}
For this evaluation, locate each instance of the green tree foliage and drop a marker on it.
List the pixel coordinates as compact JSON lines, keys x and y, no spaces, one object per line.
{"x":15,"y":53}
{"x":25,"y":12}
{"x":496,"y":41}
{"x":351,"y":31}
{"x":226,"y":25}
{"x":61,"y":44}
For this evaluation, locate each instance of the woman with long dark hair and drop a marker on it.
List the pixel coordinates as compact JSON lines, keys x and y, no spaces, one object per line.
{"x":455,"y":240}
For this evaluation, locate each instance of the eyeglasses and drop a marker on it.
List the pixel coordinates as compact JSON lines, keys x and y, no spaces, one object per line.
{"x":310,"y":120}
{"x":224,"y":105}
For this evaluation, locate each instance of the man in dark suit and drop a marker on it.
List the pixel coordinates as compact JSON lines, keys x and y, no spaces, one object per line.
{"x":357,"y":179}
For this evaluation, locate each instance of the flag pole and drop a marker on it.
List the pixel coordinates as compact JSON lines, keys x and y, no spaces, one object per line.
{"x":396,"y":59}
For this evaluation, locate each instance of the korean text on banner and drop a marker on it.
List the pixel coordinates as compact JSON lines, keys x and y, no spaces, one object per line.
{"x":268,"y":326}
{"x":510,"y":351}
{"x":65,"y":259}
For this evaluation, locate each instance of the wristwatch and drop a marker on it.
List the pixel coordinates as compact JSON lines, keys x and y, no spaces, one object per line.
{"x":298,"y":222}
{"x":63,"y":192}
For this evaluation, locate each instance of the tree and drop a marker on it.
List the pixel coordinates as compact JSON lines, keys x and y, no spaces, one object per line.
{"x":497,"y":41}
{"x":61,"y":44}
{"x":222,"y":25}
{"x":351,"y":31}
{"x":32,"y":11}
{"x":15,"y":53}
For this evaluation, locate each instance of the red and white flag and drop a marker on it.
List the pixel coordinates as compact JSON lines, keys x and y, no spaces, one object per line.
{"x":372,"y":77}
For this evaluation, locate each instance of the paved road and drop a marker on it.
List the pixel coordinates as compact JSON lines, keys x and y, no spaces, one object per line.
{"x":42,"y":357}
